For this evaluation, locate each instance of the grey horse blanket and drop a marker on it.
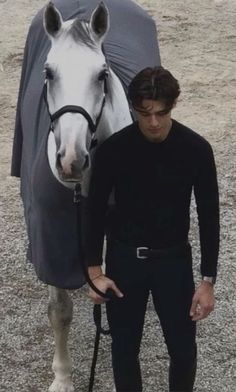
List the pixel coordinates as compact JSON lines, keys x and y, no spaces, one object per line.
{"x":50,"y":213}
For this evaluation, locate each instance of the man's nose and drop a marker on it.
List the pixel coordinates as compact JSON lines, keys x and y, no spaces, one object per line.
{"x":154,"y":121}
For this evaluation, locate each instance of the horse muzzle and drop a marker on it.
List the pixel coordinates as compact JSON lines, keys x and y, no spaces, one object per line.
{"x":72,"y":171}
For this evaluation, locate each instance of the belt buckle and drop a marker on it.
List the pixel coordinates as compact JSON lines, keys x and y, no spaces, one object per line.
{"x":138,"y":252}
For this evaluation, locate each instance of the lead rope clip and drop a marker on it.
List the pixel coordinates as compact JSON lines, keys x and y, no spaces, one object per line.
{"x":77,"y":194}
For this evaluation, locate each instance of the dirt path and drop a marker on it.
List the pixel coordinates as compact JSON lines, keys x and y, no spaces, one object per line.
{"x":197,"y":42}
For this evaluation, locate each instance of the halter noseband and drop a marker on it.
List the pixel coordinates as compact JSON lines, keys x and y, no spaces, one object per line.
{"x":76,"y":109}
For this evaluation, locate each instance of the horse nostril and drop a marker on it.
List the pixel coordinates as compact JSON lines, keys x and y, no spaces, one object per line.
{"x":58,"y":161}
{"x":86,"y":163}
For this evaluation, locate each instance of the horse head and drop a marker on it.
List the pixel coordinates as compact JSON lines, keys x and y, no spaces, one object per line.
{"x":76,"y":72}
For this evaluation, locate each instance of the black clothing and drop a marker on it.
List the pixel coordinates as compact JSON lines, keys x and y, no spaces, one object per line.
{"x":170,"y":280}
{"x":152,"y":185}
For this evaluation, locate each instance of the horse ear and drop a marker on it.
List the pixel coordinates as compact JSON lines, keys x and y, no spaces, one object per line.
{"x":100,"y":21}
{"x":52,"y":20}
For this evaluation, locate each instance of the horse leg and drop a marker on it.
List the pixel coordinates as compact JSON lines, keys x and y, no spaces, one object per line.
{"x":60,"y":312}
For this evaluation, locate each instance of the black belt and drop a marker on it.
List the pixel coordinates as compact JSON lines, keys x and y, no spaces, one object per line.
{"x":145,"y":253}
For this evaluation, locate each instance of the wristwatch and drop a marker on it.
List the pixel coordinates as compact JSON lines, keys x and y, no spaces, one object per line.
{"x":210,"y":279}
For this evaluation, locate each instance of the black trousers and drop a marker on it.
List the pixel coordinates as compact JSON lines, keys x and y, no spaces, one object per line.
{"x":169,"y":279}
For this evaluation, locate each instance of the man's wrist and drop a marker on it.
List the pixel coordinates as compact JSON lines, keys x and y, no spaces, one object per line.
{"x":94,"y":271}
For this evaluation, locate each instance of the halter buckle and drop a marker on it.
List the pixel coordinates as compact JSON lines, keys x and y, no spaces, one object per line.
{"x":138,"y":252}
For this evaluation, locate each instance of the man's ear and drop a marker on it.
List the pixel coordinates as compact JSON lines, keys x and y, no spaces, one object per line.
{"x":175,"y":103}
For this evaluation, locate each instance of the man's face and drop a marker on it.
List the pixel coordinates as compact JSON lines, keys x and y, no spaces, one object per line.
{"x":153,"y":120}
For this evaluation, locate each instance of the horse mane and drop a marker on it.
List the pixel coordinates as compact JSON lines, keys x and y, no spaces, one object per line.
{"x":80,"y":32}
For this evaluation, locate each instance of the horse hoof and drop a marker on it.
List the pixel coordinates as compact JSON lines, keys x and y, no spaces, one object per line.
{"x":61,"y":386}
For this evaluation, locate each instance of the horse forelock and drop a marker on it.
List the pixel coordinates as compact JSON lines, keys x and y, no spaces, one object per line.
{"x":79,"y":31}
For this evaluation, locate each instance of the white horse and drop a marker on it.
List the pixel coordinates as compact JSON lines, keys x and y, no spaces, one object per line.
{"x":85,"y":100}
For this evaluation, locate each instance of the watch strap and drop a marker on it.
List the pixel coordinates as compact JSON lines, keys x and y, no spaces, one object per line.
{"x":209,"y":279}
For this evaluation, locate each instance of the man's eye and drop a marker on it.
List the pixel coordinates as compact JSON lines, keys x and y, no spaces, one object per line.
{"x":103,"y":75}
{"x":48,"y":74}
{"x":162,"y":113}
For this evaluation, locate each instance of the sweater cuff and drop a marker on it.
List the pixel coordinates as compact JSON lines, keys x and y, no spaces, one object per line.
{"x":91,"y":262}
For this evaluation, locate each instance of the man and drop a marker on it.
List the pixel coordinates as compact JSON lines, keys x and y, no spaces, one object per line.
{"x":153,"y":165}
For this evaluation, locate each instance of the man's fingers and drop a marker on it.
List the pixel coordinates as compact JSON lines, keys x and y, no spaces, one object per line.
{"x":117,"y":292}
{"x":97,"y":299}
{"x":202,"y":312}
{"x":203,"y":302}
{"x":104,"y":285}
{"x":200,"y":315}
{"x":193,"y":307}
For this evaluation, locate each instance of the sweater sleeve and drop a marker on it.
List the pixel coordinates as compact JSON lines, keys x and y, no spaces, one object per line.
{"x":96,"y":205}
{"x":207,"y":201}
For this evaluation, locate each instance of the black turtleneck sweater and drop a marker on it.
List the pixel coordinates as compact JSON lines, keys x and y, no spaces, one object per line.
{"x":152,"y":184}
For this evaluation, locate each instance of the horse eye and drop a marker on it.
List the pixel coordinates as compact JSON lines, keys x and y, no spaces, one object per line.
{"x":48,"y":74}
{"x":103,"y":75}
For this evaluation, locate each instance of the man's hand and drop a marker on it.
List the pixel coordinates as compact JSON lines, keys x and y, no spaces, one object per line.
{"x":103,"y":284}
{"x":203,"y":301}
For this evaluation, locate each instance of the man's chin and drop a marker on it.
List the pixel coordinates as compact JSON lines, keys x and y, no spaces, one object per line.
{"x":154,"y":136}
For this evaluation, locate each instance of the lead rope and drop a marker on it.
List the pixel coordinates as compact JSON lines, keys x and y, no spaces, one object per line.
{"x":97,"y":311}
{"x":97,"y":316}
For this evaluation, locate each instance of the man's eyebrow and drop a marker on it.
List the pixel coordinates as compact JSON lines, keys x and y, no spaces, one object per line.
{"x":148,"y":112}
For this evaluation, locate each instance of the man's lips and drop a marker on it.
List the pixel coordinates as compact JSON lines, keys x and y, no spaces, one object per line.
{"x":154,"y":130}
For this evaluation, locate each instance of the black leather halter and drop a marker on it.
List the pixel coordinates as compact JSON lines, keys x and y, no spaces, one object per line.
{"x":76,"y":109}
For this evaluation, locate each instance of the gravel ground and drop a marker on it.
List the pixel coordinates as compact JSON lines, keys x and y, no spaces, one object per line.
{"x":197,"y":41}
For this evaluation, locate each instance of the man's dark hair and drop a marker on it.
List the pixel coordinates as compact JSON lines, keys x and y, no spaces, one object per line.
{"x":156,"y":84}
